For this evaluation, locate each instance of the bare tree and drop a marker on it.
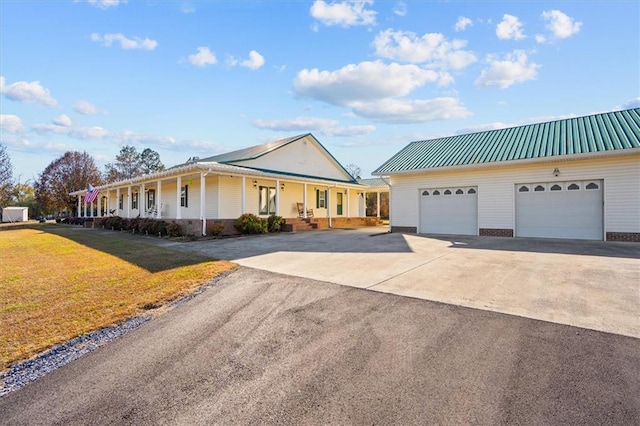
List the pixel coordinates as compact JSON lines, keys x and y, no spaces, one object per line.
{"x":71,"y":172}
{"x":354,"y":170}
{"x":6,"y":177}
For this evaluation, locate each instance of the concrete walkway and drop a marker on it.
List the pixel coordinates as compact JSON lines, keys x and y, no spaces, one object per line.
{"x":588,"y":284}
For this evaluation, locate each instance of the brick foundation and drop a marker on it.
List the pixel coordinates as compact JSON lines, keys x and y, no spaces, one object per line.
{"x":345,"y":222}
{"x":624,"y":236}
{"x":496,"y":232}
{"x":404,"y":229}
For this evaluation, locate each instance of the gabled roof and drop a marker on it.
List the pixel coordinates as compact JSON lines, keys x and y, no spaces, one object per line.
{"x":611,"y":131}
{"x":251,"y":152}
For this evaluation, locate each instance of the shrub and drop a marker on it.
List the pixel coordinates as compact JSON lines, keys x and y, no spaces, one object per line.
{"x":274,"y":223}
{"x":215,"y":229}
{"x":251,"y":224}
{"x":174,"y":230}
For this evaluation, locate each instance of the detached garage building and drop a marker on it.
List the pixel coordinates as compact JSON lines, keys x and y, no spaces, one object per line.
{"x":577,"y":178}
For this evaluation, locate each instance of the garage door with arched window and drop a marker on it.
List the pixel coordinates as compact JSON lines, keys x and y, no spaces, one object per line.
{"x":571,"y":209}
{"x":449,"y":210}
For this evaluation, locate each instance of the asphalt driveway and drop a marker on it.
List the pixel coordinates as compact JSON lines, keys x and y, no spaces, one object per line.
{"x":264,"y":348}
{"x":590,"y":284}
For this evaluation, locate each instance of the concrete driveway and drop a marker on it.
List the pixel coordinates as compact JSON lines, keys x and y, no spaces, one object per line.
{"x":588,"y":284}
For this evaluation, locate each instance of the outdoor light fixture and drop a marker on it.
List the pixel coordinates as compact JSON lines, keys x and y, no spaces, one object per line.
{"x":556,"y":172}
{"x":282,"y":186}
{"x":255,"y":183}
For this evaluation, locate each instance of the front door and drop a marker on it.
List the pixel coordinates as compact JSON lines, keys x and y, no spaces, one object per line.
{"x":339,"y":203}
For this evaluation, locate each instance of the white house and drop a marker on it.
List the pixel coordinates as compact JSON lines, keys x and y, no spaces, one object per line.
{"x":577,"y":178}
{"x":296,"y":178}
{"x":15,"y":214}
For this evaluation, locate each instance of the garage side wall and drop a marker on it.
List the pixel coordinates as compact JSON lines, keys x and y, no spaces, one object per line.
{"x":496,"y":193}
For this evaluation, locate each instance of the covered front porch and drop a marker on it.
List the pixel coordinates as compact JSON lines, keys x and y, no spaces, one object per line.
{"x":195,"y":197}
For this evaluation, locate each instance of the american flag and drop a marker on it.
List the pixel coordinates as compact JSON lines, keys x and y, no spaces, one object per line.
{"x":92,"y":194}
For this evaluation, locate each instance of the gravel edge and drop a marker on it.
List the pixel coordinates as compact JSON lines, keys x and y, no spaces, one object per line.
{"x":25,"y":372}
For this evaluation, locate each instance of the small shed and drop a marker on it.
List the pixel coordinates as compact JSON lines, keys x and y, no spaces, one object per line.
{"x":15,"y":214}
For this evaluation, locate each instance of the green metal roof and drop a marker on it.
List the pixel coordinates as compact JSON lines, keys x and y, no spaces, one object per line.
{"x":609,"y":131}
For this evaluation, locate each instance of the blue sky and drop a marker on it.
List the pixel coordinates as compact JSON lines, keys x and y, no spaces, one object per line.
{"x":198,"y":78}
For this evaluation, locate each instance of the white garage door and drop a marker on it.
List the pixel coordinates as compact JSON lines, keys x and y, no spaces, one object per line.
{"x":560,"y":210}
{"x":451,"y":210}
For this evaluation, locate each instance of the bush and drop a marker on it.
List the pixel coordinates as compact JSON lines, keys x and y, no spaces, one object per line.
{"x":274,"y":223}
{"x":174,"y":230}
{"x":251,"y":224}
{"x":215,"y":229}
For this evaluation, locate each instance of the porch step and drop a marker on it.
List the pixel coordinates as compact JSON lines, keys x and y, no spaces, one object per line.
{"x":298,"y":224}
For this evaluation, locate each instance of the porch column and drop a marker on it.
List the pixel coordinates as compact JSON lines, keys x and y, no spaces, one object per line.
{"x":277,"y":197}
{"x":159,"y":201}
{"x":328,"y":201}
{"x":99,"y":202}
{"x":304,"y":201}
{"x":79,"y":205}
{"x":243,"y":202}
{"x":378,"y":204}
{"x":142,"y":209}
{"x":178,"y":192}
{"x":118,"y":201}
{"x":348,"y":204}
{"x":85,"y":207}
{"x":91,"y":207}
{"x":128,"y":202}
{"x":108,"y":209}
{"x":202,"y":201}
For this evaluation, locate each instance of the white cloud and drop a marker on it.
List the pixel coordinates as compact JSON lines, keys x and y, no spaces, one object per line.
{"x":87,"y":108}
{"x":560,"y":25}
{"x":340,"y":131}
{"x":63,"y":120}
{"x":84,"y":133}
{"x":431,"y":48}
{"x":27,"y":92}
{"x":325,"y":126}
{"x":346,"y":13}
{"x":462,"y":23}
{"x":400,"y":9}
{"x":104,"y":4}
{"x":513,"y":68}
{"x":540,"y":38}
{"x":366,"y":81}
{"x":510,"y":28}
{"x":372,"y":89}
{"x":483,"y":128}
{"x":411,"y":111}
{"x":203,"y":58}
{"x":10,"y":123}
{"x":295,"y":124}
{"x":255,"y":61}
{"x":127,"y":137}
{"x":125,"y":42}
{"x":631,"y":103}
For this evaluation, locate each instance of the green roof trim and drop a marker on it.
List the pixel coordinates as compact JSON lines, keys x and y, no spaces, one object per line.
{"x":611,"y":131}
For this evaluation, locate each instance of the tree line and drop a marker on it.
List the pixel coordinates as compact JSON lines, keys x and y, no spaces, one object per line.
{"x":72,"y":171}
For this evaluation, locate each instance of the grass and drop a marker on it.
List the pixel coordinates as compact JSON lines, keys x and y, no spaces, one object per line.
{"x":58,"y":282}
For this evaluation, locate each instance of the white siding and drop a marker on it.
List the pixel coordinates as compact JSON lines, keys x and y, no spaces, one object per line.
{"x":303,"y":157}
{"x":231,"y":197}
{"x":169,"y":210}
{"x":211,"y":197}
{"x":496,"y":195}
